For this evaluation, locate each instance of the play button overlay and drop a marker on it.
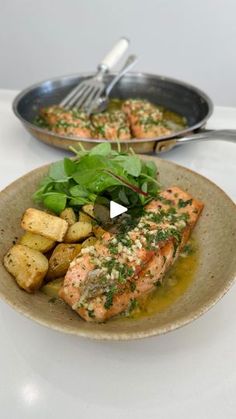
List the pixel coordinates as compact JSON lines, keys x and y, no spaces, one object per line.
{"x":114,"y":217}
{"x":116,"y":209}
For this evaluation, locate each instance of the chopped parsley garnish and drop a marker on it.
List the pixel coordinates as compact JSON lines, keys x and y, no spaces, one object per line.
{"x":132,"y":286}
{"x":64,"y":124}
{"x":133,"y":305}
{"x":40,"y":122}
{"x":183,"y":204}
{"x":188,"y":249}
{"x":101,"y":130}
{"x":109,"y":297}
{"x":91,"y":314}
{"x":123,"y":271}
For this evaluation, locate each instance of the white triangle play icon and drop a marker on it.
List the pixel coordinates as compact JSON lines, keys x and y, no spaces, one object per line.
{"x":116,"y":209}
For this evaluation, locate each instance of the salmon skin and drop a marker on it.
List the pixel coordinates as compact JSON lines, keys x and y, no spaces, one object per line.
{"x":109,"y":277}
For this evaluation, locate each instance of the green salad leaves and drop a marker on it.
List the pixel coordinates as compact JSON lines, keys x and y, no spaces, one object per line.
{"x":118,"y":176}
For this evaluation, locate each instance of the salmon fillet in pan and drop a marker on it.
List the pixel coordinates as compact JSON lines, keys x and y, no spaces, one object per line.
{"x":68,"y":122}
{"x":146,"y":119}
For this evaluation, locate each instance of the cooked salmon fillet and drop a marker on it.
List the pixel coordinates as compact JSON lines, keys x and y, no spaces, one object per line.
{"x":106,"y":278}
{"x":146,"y":119}
{"x":136,"y":119}
{"x":111,"y":125}
{"x":68,"y":122}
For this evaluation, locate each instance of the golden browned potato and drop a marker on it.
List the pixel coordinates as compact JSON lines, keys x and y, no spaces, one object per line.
{"x":78,"y":231}
{"x":37,"y":242}
{"x":98,"y":231}
{"x":60,"y":259}
{"x":85,"y":217}
{"x":88,"y":208}
{"x":28,"y":266}
{"x":52,"y":288}
{"x":47,"y":225}
{"x":68,"y":214}
{"x":89,"y":242}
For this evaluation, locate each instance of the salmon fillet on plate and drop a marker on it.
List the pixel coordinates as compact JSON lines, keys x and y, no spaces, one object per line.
{"x":105,"y":279}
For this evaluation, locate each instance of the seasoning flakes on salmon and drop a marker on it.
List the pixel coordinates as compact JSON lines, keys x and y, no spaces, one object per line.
{"x":123,"y":120}
{"x":146,"y":120}
{"x":106,"y":279}
{"x":111,"y":125}
{"x":68,"y":122}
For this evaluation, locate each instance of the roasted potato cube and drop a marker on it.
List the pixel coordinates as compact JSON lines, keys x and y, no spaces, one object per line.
{"x":37,"y":242}
{"x":84,"y":217}
{"x":52,"y":288}
{"x":89,"y":242}
{"x":60,"y":259}
{"x":69,"y":215}
{"x":28,"y":266}
{"x":98,"y":231}
{"x":78,"y":232}
{"x":88,"y":208}
{"x":47,"y":225}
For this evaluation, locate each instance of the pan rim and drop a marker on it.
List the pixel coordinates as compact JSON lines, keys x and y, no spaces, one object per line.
{"x":52,"y":135}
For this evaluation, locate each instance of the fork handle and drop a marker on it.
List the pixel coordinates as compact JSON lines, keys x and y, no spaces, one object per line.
{"x":130,"y":62}
{"x":114,"y":55}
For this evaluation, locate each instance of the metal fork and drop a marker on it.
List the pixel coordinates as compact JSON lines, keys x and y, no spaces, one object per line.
{"x":101,"y":104}
{"x":89,"y":90}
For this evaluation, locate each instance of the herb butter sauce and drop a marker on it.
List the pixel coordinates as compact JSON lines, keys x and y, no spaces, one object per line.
{"x":174,"y":284}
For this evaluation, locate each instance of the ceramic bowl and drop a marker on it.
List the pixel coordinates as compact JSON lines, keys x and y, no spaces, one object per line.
{"x":215,"y":234}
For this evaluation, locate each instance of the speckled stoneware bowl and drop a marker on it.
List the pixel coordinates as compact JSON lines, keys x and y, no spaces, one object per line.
{"x":215,"y":234}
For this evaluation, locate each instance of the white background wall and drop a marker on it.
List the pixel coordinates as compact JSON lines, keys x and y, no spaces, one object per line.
{"x":193,"y":40}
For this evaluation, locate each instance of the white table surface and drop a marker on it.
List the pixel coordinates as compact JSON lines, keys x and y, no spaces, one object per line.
{"x":189,"y":373}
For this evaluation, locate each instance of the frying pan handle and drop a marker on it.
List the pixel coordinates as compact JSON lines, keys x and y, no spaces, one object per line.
{"x":208,"y":135}
{"x":204,"y":134}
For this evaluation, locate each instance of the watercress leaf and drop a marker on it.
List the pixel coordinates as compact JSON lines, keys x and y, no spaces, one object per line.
{"x":102,"y":149}
{"x":114,"y":153}
{"x":45,"y":184}
{"x":45,"y":181}
{"x":131,"y":164}
{"x":55,"y":202}
{"x":103,"y":181}
{"x":144,"y":187}
{"x":78,"y":191}
{"x":87,"y":168}
{"x":38,"y":195}
{"x":91,"y":173}
{"x":69,"y":166}
{"x":78,"y":201}
{"x":92,"y":197}
{"x":56,"y":170}
{"x":122,"y":177}
{"x":150,"y":168}
{"x":59,"y":187}
{"x":123,"y":197}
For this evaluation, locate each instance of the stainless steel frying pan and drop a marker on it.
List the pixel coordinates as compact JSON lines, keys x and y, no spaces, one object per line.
{"x":174,"y":95}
